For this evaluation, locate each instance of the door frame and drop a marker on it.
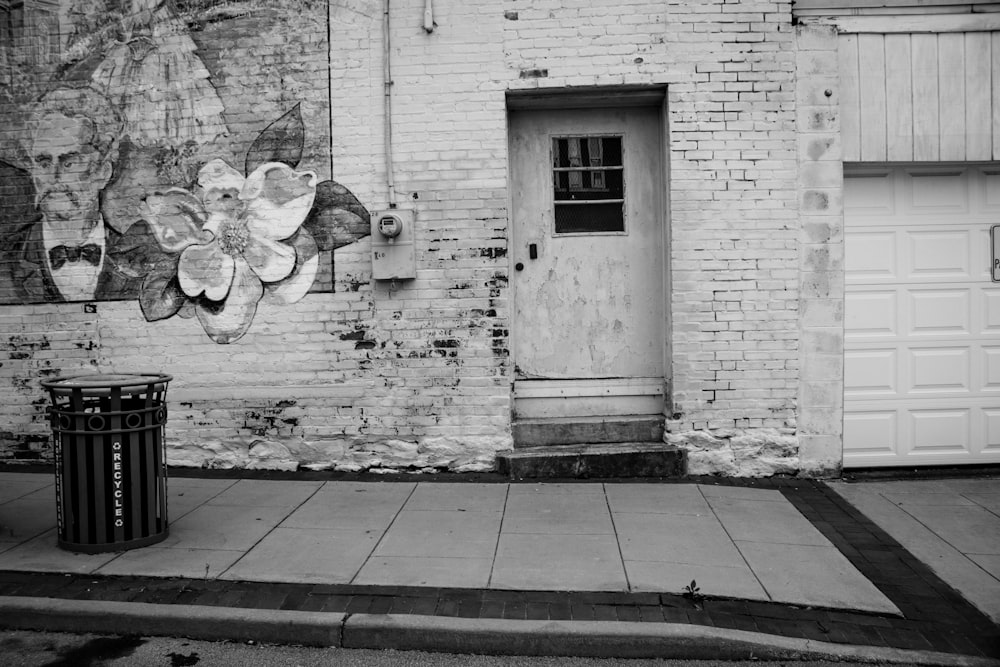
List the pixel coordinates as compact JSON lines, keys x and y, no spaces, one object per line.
{"x":646,"y":392}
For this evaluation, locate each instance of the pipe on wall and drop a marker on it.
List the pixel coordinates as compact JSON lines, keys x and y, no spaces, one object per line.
{"x":387,"y":79}
{"x":429,"y":16}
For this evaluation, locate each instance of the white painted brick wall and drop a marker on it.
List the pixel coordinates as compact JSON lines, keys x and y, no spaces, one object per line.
{"x":333,"y":379}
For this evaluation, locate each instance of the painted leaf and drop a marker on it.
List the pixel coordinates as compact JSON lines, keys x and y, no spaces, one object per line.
{"x":161,"y":296}
{"x":337,"y":217}
{"x":136,"y":252}
{"x":281,"y":141}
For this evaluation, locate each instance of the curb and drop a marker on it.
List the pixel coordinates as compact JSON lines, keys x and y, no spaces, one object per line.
{"x":446,"y":634}
{"x":194,"y":621}
{"x":615,"y":639}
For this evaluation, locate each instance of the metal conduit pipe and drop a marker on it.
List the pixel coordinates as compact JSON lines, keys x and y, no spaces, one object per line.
{"x":387,"y":78}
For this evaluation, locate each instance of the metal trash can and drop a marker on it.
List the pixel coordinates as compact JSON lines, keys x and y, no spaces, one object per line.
{"x":110,"y":463}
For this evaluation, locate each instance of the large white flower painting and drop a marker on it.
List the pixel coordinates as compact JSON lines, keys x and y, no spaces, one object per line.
{"x":237,"y":236}
{"x":215,"y":249}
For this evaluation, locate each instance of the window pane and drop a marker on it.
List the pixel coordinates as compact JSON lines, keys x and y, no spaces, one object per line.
{"x":584,"y":218}
{"x":588,"y":172}
{"x":590,"y":185}
{"x":587,"y":151}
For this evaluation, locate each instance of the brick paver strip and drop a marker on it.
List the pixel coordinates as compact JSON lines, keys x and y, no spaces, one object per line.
{"x":935,"y":616}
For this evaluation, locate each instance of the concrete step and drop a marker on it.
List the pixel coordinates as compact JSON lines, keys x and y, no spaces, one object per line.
{"x":586,"y":430}
{"x":632,"y":459}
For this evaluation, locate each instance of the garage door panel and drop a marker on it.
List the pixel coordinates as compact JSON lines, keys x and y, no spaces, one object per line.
{"x":922,"y":318}
{"x":991,"y":368}
{"x":934,"y":191}
{"x":991,"y":430}
{"x":871,"y":255}
{"x":981,"y":254}
{"x":991,"y":312}
{"x":991,"y":191}
{"x":871,"y":433}
{"x":869,"y":193}
{"x":939,"y":312}
{"x":868,"y":372}
{"x":938,"y":255}
{"x":871,"y":314}
{"x":940,"y":431}
{"x":937,"y":370}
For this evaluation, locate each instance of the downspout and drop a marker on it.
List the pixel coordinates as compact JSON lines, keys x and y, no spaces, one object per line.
{"x":387,"y":78}
{"x":428,"y":16}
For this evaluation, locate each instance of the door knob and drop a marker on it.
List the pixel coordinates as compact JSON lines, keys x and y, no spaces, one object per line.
{"x":519,"y":266}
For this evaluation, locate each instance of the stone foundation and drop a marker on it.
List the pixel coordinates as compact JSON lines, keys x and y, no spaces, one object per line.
{"x":431,"y":454}
{"x":736,"y":453}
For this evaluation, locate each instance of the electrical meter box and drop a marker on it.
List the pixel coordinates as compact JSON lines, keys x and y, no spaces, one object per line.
{"x":393,"y":255}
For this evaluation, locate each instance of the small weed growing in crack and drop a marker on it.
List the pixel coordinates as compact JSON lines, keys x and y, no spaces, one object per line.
{"x":692,"y":592}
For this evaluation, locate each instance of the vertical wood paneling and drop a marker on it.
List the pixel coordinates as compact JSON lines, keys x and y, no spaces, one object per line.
{"x":898,"y":99}
{"x":995,"y":64}
{"x":920,"y":97}
{"x":951,"y":91}
{"x":978,"y":139}
{"x":850,"y":109}
{"x":926,"y":141}
{"x":871,"y":57}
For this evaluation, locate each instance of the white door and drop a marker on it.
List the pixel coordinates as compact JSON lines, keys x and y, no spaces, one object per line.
{"x":922,"y":317}
{"x":587,"y":246}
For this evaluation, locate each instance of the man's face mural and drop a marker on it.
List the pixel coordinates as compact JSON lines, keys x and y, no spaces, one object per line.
{"x":69,"y":172}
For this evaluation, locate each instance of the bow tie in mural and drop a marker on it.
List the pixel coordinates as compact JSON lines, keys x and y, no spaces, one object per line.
{"x":61,"y":254}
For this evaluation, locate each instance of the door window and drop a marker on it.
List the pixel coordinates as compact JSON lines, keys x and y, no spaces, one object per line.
{"x":588,"y":184}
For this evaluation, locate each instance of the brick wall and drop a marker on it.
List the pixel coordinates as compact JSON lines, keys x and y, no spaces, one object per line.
{"x":735,"y":237}
{"x":360,"y":374}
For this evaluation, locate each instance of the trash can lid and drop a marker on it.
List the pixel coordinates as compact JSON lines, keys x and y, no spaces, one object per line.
{"x":101,"y":383}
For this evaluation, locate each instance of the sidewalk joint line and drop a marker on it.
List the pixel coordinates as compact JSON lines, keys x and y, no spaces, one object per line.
{"x":385,"y":532}
{"x":496,"y":547}
{"x":978,"y":504}
{"x":708,"y":502}
{"x":937,"y":535}
{"x":264,"y":536}
{"x":618,"y":542}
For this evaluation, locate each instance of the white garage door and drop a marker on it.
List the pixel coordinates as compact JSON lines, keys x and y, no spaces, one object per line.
{"x":922,"y":318}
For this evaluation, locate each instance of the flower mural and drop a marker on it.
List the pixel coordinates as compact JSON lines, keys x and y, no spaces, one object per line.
{"x":235,"y":236}
{"x":215,"y":249}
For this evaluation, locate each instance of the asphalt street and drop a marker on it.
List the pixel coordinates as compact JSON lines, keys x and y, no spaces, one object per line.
{"x":46,"y":649}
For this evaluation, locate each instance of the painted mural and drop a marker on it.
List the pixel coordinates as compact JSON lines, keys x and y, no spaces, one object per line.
{"x":173,"y":154}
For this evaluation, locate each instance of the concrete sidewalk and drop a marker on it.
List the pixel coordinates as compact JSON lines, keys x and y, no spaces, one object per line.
{"x":746,"y":541}
{"x":952,"y":525}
